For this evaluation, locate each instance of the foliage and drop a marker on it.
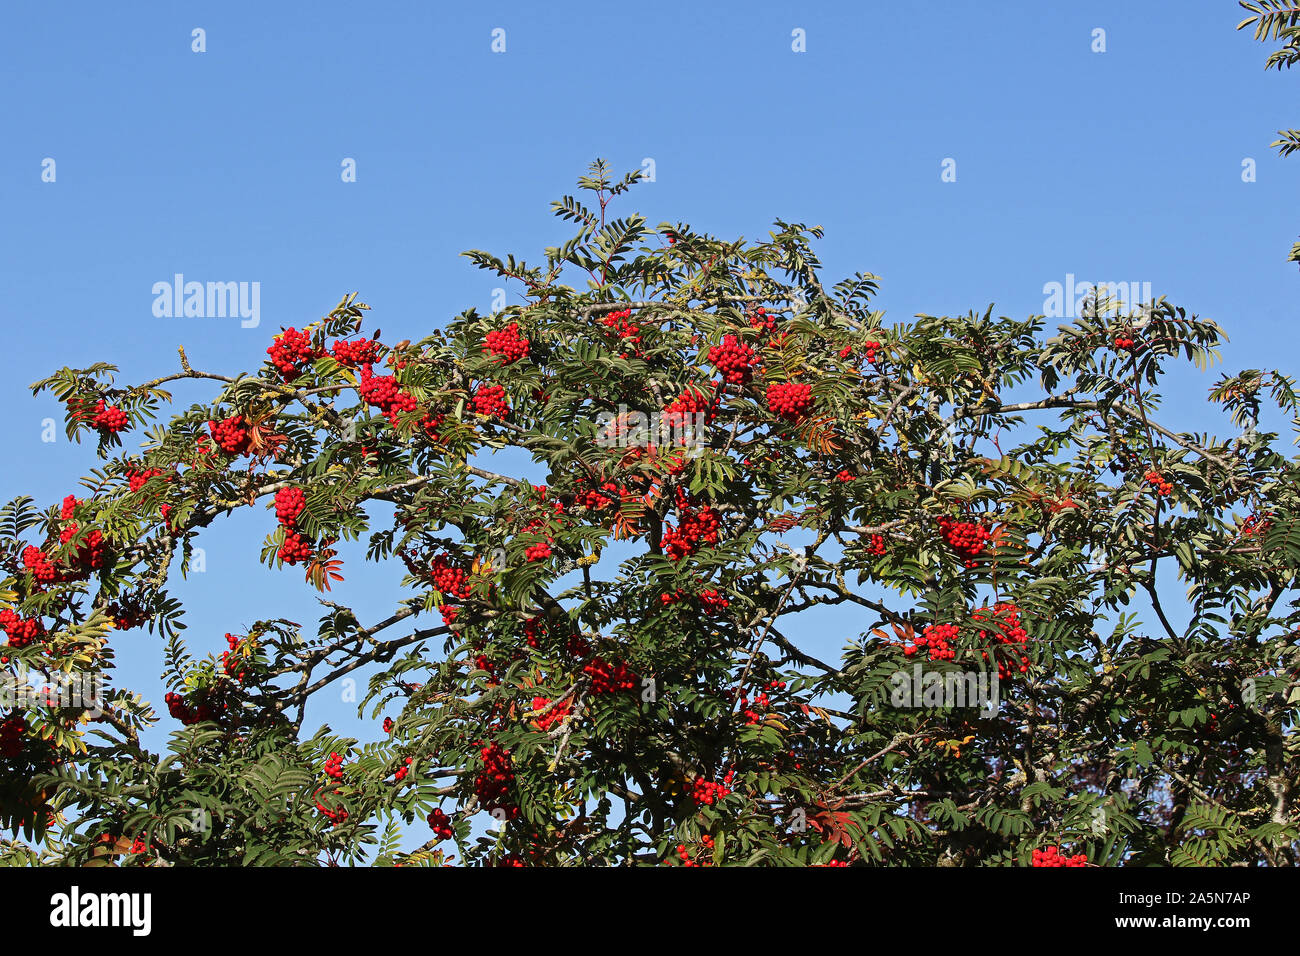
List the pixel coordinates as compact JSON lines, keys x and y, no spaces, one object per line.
{"x":646,"y":722}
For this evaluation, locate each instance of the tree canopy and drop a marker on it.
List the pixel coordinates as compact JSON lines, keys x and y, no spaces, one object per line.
{"x":607,"y":653}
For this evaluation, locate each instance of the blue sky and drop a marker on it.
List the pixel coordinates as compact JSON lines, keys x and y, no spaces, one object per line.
{"x":225,"y":166}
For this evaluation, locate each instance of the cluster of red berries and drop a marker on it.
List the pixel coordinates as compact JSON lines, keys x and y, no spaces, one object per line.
{"x":1004,"y":636}
{"x":1157,"y":481}
{"x":294,"y":549}
{"x":484,"y":663}
{"x":607,"y":677}
{"x":1053,"y":857}
{"x":231,"y":662}
{"x":494,"y":782}
{"x":789,"y":400}
{"x":596,"y":499}
{"x":534,"y":628}
{"x":452,"y":581}
{"x":876,"y":545}
{"x":734,"y":359}
{"x":38,"y":562}
{"x":554,"y":715}
{"x":138,"y":479}
{"x":21,"y":632}
{"x":696,"y":528}
{"x":490,"y":400}
{"x":507,"y":343}
{"x":1008,"y":633}
{"x":441,"y":825}
{"x":538,"y":552}
{"x":431,"y":423}
{"x":692,"y":401}
{"x":937,"y":639}
{"x":12,"y":730}
{"x":556,"y":510}
{"x":872,"y":347}
{"x":401,"y":772}
{"x":753,"y":713}
{"x":1124,"y":342}
{"x":108,"y":419}
{"x":338,"y":816}
{"x":684,"y":855}
{"x":127,"y":614}
{"x":356,"y":352}
{"x":290,"y":351}
{"x":388,"y":725}
{"x":1255,"y":525}
{"x":90,"y":553}
{"x":334,"y":767}
{"x":383,"y":392}
{"x":760,"y":319}
{"x":186,"y":714}
{"x":706,"y":792}
{"x":967,"y":538}
{"x":712,"y":602}
{"x":230,"y":435}
{"x":621,"y":322}
{"x":677,"y":464}
{"x":289,"y":504}
{"x":844,"y":476}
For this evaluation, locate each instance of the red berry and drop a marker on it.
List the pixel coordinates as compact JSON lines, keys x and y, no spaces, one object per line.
{"x":108,"y":419}
{"x":696,"y":527}
{"x":789,"y":400}
{"x":355,"y":353}
{"x":289,"y":504}
{"x":294,"y":549}
{"x":1053,"y":857}
{"x":627,"y":331}
{"x":507,"y":343}
{"x":291,"y":352}
{"x":490,"y":400}
{"x":384,"y":393}
{"x":21,"y":631}
{"x":734,"y":360}
{"x":230,"y":435}
{"x":967,"y":538}
{"x":441,"y":824}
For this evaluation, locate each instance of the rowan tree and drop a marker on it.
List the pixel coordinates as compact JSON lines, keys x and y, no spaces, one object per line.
{"x":607,"y":650}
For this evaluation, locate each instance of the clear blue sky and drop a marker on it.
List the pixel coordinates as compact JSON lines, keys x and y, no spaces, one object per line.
{"x":225,"y":166}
